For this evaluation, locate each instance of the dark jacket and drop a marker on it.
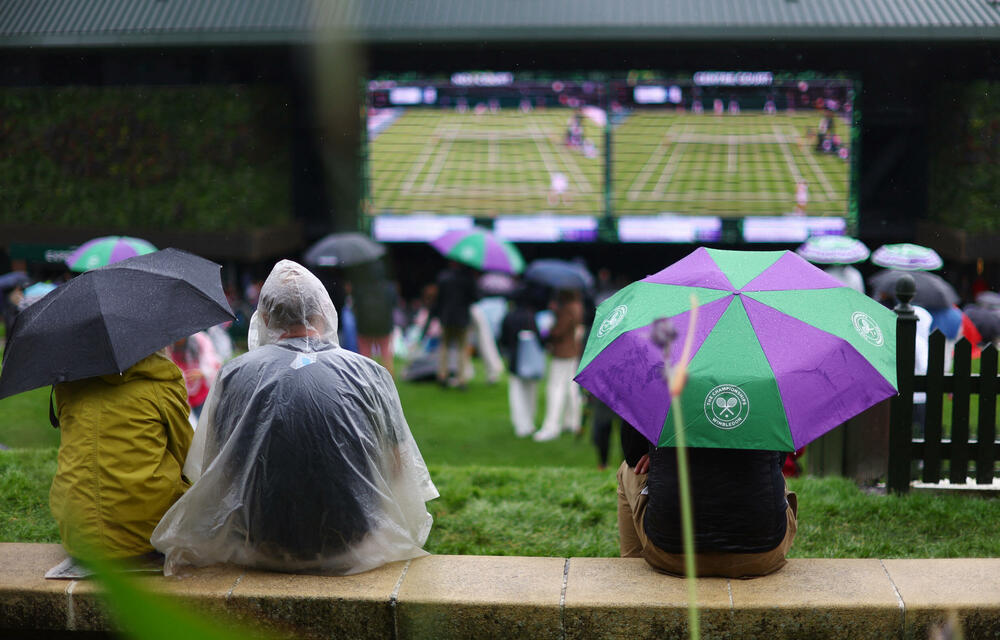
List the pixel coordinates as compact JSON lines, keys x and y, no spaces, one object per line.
{"x":374,"y":303}
{"x":738,"y":498}
{"x":456,"y":293}
{"x":521,"y":318}
{"x":565,"y":338}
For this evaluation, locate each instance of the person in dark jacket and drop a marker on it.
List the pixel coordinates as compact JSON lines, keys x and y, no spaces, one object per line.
{"x":745,"y":518}
{"x":456,"y":293}
{"x":374,"y":301}
{"x":519,"y":327}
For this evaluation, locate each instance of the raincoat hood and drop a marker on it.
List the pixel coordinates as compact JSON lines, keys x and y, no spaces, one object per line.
{"x":293,"y":303}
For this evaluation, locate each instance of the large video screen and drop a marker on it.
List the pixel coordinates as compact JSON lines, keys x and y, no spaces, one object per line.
{"x":636,"y":147}
{"x":732,"y":144}
{"x":486,"y":144}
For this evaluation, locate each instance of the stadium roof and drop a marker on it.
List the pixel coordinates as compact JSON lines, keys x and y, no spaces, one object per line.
{"x":25,"y":23}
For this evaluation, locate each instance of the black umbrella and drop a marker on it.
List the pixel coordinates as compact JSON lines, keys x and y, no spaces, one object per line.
{"x":343,"y":250}
{"x":13,"y":279}
{"x":106,"y":320}
{"x":988,"y":299}
{"x":559,"y":274}
{"x":987,"y":320}
{"x":933,"y":291}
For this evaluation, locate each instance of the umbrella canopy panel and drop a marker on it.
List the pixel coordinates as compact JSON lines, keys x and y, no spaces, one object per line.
{"x":782,"y":352}
{"x":933,"y":291}
{"x":343,"y":250}
{"x":906,"y":256}
{"x":480,"y":249}
{"x":559,"y":274}
{"x":106,"y":320}
{"x":833,"y":250}
{"x":101,"y":252}
{"x":13,"y":279}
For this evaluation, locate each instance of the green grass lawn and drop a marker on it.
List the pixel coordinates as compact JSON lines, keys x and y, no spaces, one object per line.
{"x":501,"y":495}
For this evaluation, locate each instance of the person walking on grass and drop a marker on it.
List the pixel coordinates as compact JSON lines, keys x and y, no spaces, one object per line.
{"x":374,"y":300}
{"x":565,"y":341}
{"x":456,"y":291}
{"x":520,"y":341}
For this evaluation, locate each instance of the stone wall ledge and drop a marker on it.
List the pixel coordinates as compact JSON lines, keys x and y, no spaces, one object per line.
{"x":537,"y":598}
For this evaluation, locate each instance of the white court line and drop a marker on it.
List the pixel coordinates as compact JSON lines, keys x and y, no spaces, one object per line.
{"x":435,"y":171}
{"x":425,"y":155}
{"x":668,"y":171}
{"x":647,"y":168}
{"x":571,"y":165}
{"x":500,"y":190}
{"x":732,"y":154}
{"x":789,"y":160}
{"x":818,"y":172}
{"x":583,"y":186}
{"x":723,"y":195}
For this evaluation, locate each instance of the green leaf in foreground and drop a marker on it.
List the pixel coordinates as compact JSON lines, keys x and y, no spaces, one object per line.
{"x":146,"y":615}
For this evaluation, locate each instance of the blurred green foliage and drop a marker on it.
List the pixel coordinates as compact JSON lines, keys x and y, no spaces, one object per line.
{"x":964,"y":184}
{"x":192,"y":158}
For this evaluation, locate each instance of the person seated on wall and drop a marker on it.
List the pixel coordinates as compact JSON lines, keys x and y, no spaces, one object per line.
{"x":745,"y":518}
{"x":302,"y":460}
{"x":123,"y":439}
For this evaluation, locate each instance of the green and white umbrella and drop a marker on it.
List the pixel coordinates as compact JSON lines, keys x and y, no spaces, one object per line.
{"x":907,"y":257}
{"x":480,"y":249}
{"x":782,"y":352}
{"x":100,"y":252}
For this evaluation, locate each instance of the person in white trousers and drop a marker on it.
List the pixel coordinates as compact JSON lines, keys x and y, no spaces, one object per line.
{"x":520,"y":341}
{"x":563,"y":402}
{"x":486,"y":343}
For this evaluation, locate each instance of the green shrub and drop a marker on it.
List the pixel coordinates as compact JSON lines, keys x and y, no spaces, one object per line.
{"x":193,"y":158}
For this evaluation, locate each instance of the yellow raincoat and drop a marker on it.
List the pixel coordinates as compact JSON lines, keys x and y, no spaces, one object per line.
{"x":123,"y":443}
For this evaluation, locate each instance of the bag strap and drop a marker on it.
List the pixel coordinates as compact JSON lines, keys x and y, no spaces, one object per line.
{"x":53,"y":420}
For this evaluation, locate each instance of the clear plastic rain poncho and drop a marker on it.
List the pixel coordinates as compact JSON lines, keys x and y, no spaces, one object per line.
{"x":302,"y":460}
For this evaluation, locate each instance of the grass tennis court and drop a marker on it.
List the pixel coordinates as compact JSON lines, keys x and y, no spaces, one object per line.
{"x":485,"y":164}
{"x":512,"y":162}
{"x":748,"y":164}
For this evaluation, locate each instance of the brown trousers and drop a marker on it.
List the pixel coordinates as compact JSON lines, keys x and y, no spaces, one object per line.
{"x":634,"y":543}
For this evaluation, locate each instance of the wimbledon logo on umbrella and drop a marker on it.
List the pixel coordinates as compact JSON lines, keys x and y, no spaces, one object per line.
{"x":867,"y":328}
{"x":612,"y":320}
{"x":726,"y":406}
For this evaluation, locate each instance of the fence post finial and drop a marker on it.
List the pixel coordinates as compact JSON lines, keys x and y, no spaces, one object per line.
{"x":906,"y":288}
{"x":901,"y":420}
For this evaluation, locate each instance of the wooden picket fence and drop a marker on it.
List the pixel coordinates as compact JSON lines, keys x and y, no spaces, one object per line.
{"x":963,"y":442}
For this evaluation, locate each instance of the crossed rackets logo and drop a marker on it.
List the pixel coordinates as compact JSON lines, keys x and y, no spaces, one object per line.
{"x":727,"y":406}
{"x":612,"y":320}
{"x":867,"y":328}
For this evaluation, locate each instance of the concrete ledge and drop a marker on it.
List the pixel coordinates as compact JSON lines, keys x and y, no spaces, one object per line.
{"x":511,"y":597}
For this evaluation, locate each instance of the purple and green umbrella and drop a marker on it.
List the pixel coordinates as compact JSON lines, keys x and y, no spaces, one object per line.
{"x":481,"y":250}
{"x":100,"y":252}
{"x":833,"y":250}
{"x":782,"y":352}
{"x":908,"y":257}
